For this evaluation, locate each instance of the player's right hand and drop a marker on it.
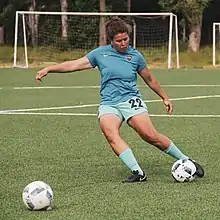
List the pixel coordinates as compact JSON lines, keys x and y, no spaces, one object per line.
{"x":40,"y":74}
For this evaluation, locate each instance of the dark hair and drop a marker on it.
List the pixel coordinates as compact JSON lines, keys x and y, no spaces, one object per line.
{"x":116,"y":26}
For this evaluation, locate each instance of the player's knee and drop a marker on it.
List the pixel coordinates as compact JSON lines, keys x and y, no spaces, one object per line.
{"x":151,"y":137}
{"x":112,"y":137}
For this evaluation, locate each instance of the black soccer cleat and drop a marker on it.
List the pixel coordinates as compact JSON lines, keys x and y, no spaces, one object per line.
{"x":136,"y":177}
{"x":199,"y":170}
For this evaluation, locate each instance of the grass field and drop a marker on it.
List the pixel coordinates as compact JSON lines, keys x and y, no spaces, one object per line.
{"x":50,"y":132}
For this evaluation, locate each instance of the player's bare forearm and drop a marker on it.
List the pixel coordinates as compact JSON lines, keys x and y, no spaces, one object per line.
{"x":68,"y":66}
{"x":155,"y":86}
{"x":151,"y":81}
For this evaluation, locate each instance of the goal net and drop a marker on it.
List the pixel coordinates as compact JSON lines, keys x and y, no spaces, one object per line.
{"x":216,"y":44}
{"x":43,"y":38}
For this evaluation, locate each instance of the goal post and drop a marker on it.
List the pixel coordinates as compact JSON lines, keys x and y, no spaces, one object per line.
{"x":39,"y":38}
{"x":216,"y":44}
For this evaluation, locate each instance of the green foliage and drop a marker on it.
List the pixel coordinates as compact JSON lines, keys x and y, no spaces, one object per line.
{"x":191,"y":11}
{"x":7,"y":16}
{"x":86,"y":5}
{"x":188,"y":8}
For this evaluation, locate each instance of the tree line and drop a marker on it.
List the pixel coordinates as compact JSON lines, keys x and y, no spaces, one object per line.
{"x":195,"y":17}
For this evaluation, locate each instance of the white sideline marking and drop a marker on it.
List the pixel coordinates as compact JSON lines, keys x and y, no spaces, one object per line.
{"x":49,"y":108}
{"x":186,"y":116}
{"x":58,"y":87}
{"x":92,"y":105}
{"x":47,"y":113}
{"x":88,"y":114}
{"x":97,"y":87}
{"x":187,"y":98}
{"x":207,"y":85}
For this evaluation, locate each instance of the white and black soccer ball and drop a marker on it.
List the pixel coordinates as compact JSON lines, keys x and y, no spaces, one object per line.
{"x":183,"y":170}
{"x":38,"y":195}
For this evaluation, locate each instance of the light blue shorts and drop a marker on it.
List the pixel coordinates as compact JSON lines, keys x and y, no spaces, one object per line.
{"x":125,"y":110}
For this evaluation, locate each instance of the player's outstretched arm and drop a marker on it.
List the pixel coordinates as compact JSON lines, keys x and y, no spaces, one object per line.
{"x":68,"y":66}
{"x":151,"y":81}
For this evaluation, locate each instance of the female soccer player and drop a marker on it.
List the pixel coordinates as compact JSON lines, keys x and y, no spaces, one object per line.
{"x":119,"y":64}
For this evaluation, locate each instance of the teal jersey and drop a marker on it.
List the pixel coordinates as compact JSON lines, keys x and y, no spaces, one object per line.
{"x":118,"y":73}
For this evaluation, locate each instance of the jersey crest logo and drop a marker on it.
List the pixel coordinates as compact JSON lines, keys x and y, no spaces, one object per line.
{"x":128,"y":57}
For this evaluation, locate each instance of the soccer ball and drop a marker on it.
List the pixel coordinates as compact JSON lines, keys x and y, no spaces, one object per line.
{"x":183,"y":170}
{"x":37,"y":195}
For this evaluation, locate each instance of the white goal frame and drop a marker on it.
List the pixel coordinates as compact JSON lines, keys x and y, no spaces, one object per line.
{"x":215,"y":24}
{"x":173,"y":22}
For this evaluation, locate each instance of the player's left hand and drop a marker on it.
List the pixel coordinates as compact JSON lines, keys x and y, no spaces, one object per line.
{"x":40,"y":74}
{"x":168,"y":105}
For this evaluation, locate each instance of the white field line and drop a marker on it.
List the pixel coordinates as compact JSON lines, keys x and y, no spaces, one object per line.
{"x":97,"y":87}
{"x":186,"y":98}
{"x":49,"y":108}
{"x":47,"y":113}
{"x":186,"y":116}
{"x":88,"y":114}
{"x":195,"y":85}
{"x":58,"y":87}
{"x":92,"y":105}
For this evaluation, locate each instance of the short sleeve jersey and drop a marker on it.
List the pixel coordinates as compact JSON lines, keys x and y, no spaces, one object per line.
{"x":118,"y":73}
